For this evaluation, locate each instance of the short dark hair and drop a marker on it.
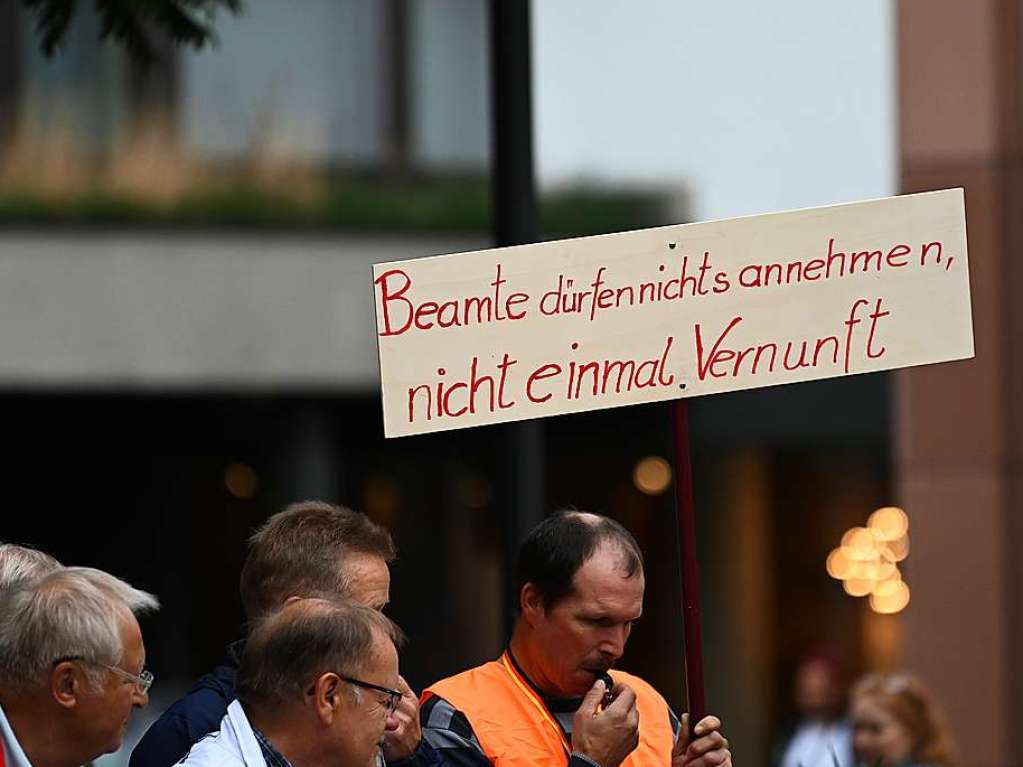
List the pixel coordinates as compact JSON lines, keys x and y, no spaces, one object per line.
{"x":555,"y":549}
{"x":290,"y":648}
{"x":300,"y":551}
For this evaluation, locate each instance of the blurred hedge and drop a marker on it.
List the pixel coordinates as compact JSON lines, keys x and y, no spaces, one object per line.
{"x":444,"y":204}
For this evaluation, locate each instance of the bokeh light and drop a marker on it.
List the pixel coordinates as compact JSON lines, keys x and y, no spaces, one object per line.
{"x":892,"y":601}
{"x":889,"y":523}
{"x":867,"y":560}
{"x":652,"y":475}
{"x":240,"y":480}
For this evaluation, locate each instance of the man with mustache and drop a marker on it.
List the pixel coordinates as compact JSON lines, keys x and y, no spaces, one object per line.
{"x":580,"y":579}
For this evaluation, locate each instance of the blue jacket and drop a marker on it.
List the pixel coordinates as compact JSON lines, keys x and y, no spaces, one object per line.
{"x":190,"y":718}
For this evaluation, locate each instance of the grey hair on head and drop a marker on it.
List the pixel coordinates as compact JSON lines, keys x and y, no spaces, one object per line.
{"x":18,"y":563}
{"x":74,"y":612}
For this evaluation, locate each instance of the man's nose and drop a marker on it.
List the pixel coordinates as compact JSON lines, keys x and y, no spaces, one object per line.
{"x":140,"y":699}
{"x":613,"y":643}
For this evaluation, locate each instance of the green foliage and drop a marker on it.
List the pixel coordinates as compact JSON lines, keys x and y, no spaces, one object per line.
{"x":440,"y":204}
{"x":131,"y":23}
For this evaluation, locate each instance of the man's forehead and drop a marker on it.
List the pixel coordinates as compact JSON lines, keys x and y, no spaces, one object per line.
{"x":359,"y":564}
{"x":606,"y":579}
{"x":609,"y":560}
{"x":383,"y":658}
{"x":367,"y":579}
{"x":131,"y":638}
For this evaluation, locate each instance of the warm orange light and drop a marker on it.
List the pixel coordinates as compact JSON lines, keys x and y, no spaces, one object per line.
{"x":858,"y":587}
{"x":849,"y":553}
{"x":240,"y":480}
{"x":838,"y":564}
{"x":898,"y":550}
{"x":885,"y":571}
{"x":652,"y":475}
{"x":889,"y":523}
{"x":886,"y":588}
{"x":861,"y":570}
{"x":866,"y":560}
{"x":862,"y":538}
{"x":893,"y":602}
{"x":860,"y":545}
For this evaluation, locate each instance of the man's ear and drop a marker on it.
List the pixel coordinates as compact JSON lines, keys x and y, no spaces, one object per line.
{"x":66,"y":684}
{"x":531,"y":603}
{"x":327,"y":697}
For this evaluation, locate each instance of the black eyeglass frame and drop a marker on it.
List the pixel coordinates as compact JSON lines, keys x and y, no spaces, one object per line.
{"x":393,"y":700}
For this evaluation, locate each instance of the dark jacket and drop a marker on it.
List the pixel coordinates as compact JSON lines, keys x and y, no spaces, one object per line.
{"x":199,"y":712}
{"x":190,"y":718}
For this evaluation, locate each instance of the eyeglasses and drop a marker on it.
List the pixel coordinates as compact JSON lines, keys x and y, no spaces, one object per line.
{"x":394,"y":695}
{"x":142,"y":681}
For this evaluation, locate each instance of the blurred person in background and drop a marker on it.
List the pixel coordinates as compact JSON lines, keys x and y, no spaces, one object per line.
{"x":897,"y":723}
{"x":316,"y":688}
{"x":71,"y":666}
{"x":543,"y":702}
{"x":822,"y":736}
{"x":310,"y":548}
{"x":18,"y":563}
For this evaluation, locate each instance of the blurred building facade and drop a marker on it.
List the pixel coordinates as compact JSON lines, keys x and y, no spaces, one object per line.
{"x":357,"y":83}
{"x":170,"y":386}
{"x":958,"y":429}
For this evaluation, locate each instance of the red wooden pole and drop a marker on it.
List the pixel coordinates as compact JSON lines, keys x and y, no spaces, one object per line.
{"x":689,"y":570}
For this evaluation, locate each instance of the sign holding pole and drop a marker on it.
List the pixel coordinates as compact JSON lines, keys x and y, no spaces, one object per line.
{"x":685,"y":511}
{"x":662,"y":314}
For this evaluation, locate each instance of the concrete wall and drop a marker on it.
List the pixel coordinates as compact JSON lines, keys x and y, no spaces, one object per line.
{"x":157,"y":310}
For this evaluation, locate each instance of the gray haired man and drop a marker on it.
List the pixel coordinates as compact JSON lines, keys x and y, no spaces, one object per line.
{"x":71,"y":666}
{"x":18,"y":563}
{"x":316,"y":687}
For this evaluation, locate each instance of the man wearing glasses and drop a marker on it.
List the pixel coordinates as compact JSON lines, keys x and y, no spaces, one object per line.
{"x":307,"y":549}
{"x":71,"y":666}
{"x":316,"y":686}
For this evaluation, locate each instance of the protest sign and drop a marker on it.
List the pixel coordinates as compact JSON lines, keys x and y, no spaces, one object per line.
{"x":537,"y":330}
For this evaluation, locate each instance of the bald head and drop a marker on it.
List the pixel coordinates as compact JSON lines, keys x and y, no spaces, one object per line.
{"x":555,"y":549}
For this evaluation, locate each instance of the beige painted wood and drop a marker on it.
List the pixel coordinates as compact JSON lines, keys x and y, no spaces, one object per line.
{"x":538,"y":330}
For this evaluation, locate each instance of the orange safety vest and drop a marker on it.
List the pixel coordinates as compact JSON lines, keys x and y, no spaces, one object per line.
{"x":515,"y":728}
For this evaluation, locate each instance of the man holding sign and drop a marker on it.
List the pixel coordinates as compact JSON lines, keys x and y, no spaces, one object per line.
{"x":545,"y":701}
{"x":533,"y":331}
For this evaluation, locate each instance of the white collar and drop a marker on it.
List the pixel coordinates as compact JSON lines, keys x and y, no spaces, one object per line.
{"x":14,"y":754}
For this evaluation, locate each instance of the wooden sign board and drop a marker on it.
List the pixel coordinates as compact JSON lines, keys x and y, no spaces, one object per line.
{"x":537,"y":330}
